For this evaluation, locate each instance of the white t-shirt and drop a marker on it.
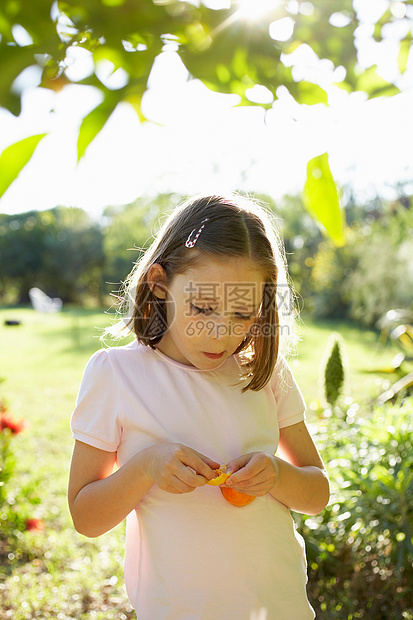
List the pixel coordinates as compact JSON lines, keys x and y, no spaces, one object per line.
{"x":194,"y":556}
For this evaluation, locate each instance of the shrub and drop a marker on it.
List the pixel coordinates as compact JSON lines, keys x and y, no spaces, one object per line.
{"x":329,"y":294}
{"x":8,"y":428}
{"x":334,"y":369}
{"x":370,"y":274}
{"x":383,"y":279}
{"x":359,"y":549}
{"x":15,"y":514}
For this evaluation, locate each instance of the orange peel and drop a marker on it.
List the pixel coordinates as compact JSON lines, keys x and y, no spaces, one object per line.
{"x":220,"y":478}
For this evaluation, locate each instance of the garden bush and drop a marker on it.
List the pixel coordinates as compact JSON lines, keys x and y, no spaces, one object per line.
{"x":16,"y":501}
{"x":371,"y":274}
{"x":334,"y":371}
{"x":360,"y":552}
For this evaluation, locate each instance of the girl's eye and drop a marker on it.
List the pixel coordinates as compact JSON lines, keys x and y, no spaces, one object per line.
{"x":201,"y":310}
{"x":208,"y":311}
{"x":243,"y":317}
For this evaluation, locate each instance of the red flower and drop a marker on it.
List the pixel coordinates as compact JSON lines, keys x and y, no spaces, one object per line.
{"x":6,"y":421}
{"x":34,"y":524}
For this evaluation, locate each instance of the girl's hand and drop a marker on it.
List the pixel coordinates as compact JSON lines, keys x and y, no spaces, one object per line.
{"x":255,"y":473}
{"x":176,"y":468}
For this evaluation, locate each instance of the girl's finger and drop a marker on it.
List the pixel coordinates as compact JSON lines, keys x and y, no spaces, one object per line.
{"x":238,"y":463}
{"x":259,"y":486}
{"x":178,"y":487}
{"x":260,"y":478}
{"x":190,"y":478}
{"x":251,"y":470}
{"x":205,"y":459}
{"x":201,"y":464}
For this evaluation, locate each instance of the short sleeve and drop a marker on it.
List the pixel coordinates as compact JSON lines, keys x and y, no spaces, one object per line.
{"x":95,"y":420}
{"x":290,"y":401}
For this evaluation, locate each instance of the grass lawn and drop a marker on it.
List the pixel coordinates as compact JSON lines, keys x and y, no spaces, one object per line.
{"x":58,"y":573}
{"x":55,"y":573}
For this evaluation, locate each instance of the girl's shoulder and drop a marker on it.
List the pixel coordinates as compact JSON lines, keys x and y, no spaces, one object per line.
{"x":129,"y":346}
{"x":118,"y":355}
{"x":290,"y":401}
{"x":124,"y":350}
{"x":280,"y":376}
{"x":282,"y":379}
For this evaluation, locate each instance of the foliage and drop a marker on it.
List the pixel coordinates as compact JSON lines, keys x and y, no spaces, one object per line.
{"x":359,"y":549}
{"x":14,"y":158}
{"x":301,"y":237}
{"x":230,"y":49}
{"x":244,"y":49}
{"x":128,"y":230}
{"x":66,"y":254}
{"x":371,"y":274}
{"x":334,"y":369}
{"x":329,"y":291}
{"x":59,"y":250}
{"x":323,"y":198}
{"x":384,"y":275}
{"x":15,"y":503}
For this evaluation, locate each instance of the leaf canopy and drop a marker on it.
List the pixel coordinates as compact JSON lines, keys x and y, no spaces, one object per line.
{"x":229,"y":49}
{"x":249,"y":43}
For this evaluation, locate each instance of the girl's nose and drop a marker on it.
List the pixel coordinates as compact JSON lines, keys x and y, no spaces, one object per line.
{"x":221,"y":328}
{"x":220,"y":331}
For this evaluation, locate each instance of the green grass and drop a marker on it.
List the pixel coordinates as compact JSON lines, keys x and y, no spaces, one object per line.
{"x":58,"y":573}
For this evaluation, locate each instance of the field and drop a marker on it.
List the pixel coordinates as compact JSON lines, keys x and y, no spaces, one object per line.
{"x":57,"y":573}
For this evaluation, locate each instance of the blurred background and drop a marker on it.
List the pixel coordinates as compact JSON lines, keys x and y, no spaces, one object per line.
{"x":111,"y":113}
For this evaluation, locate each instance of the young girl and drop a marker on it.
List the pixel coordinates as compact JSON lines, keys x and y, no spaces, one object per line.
{"x":203,"y":384}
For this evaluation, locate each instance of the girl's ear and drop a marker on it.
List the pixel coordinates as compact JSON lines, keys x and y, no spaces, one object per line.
{"x":157,"y":280}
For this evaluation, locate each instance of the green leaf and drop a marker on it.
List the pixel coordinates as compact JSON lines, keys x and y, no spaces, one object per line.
{"x":13,"y":60}
{"x":311,"y":94}
{"x":14,"y":158}
{"x":404,"y":53}
{"x":374,"y":85}
{"x":134,"y":98}
{"x":93,"y":123}
{"x":323,"y":199}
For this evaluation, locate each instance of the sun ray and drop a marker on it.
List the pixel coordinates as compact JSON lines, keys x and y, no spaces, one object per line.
{"x":249,"y":11}
{"x":255,"y":10}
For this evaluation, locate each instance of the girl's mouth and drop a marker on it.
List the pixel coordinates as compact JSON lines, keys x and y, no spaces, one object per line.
{"x":214,"y":356}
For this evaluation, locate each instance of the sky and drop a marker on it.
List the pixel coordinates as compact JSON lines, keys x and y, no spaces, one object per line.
{"x":199,"y":141}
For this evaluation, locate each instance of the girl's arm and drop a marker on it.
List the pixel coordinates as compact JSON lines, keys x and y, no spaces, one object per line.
{"x":298,"y":480}
{"x":302,"y":481}
{"x":100,"y":498}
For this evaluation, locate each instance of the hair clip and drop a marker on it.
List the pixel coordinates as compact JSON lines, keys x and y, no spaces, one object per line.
{"x":189,"y":243}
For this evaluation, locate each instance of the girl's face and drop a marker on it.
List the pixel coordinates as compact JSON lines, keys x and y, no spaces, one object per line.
{"x":210,"y":310}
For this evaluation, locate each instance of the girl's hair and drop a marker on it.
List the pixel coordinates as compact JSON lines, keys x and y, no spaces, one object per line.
{"x":239,"y":227}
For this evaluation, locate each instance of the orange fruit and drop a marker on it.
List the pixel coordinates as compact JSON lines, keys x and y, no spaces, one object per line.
{"x":236,"y":497}
{"x":221,"y":476}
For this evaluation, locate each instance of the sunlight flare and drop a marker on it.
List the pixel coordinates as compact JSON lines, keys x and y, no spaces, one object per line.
{"x":255,"y":10}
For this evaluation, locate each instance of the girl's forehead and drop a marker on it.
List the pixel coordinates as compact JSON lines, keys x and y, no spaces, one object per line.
{"x":234,"y":281}
{"x":223,"y":270}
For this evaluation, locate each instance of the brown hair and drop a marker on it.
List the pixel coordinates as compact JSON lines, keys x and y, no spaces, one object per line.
{"x":237,"y":227}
